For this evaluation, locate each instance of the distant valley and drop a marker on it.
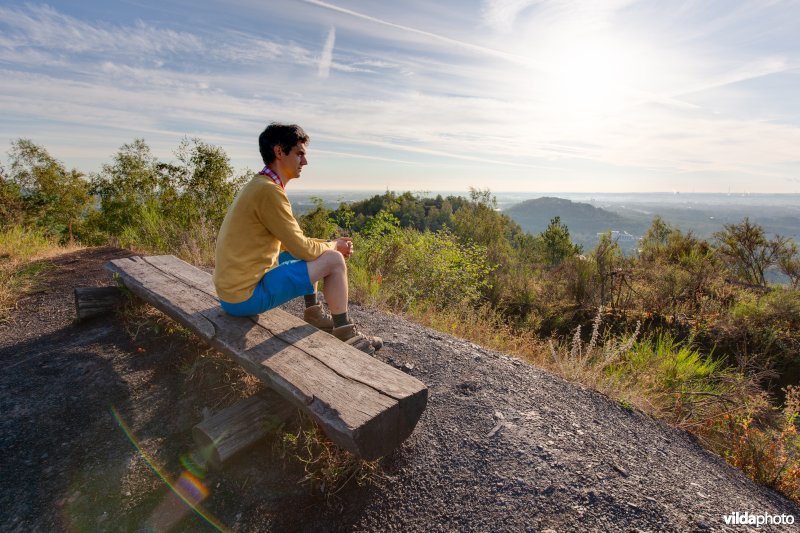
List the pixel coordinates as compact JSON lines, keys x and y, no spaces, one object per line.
{"x":629,"y":217}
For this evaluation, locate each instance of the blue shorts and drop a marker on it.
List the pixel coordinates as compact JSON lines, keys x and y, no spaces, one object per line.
{"x":285,"y":282}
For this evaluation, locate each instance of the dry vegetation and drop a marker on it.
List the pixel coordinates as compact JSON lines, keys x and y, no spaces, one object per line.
{"x":23,"y":260}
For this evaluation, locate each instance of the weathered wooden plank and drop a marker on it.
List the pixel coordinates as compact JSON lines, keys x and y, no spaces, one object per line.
{"x":165,"y":293}
{"x":351,"y":363}
{"x":236,"y":428}
{"x":95,"y":301}
{"x":362,"y":404}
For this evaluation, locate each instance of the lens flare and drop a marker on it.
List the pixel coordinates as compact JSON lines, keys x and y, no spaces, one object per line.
{"x":188,"y":488}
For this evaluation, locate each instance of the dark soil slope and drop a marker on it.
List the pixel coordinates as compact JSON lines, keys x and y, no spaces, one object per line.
{"x":502,"y":445}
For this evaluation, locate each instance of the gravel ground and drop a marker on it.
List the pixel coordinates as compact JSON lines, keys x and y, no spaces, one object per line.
{"x":502,"y":445}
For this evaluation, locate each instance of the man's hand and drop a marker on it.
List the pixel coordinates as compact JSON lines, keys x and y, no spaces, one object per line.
{"x":345,"y":246}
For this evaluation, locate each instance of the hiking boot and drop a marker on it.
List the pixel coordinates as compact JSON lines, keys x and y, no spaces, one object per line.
{"x":351,"y":336}
{"x":317,"y":317}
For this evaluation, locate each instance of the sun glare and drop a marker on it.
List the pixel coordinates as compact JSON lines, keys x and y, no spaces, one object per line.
{"x":587,"y":75}
{"x":590,"y":78}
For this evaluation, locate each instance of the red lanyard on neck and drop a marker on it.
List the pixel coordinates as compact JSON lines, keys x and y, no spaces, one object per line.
{"x":266,"y":171}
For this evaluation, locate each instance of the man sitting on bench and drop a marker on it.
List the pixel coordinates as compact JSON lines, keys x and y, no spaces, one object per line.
{"x":253,"y":275}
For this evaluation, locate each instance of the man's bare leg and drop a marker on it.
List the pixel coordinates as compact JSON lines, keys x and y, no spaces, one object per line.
{"x":331,"y":268}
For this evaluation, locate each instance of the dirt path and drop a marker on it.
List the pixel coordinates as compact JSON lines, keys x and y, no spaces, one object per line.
{"x":502,"y":445}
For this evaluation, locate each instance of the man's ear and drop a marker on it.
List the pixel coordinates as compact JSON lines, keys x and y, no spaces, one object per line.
{"x":278,"y":151}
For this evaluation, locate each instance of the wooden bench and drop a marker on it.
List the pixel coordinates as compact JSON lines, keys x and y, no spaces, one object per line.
{"x":362,"y":404}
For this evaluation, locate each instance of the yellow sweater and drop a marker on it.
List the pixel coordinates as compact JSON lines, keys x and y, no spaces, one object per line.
{"x":249,"y":241}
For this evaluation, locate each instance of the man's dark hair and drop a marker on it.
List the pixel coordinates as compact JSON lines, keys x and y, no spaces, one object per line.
{"x":285,"y":135}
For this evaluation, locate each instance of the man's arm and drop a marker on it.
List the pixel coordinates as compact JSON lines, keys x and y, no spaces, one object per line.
{"x":276,"y":215}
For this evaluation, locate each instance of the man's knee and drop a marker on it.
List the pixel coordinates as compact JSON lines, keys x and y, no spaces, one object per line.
{"x":330,"y":262}
{"x":335,"y":259}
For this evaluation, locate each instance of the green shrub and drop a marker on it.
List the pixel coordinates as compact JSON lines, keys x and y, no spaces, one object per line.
{"x":410,"y":268}
{"x":319,"y":222}
{"x":765,"y":328}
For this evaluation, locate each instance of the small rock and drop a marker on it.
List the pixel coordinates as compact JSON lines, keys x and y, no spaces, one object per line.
{"x":494,"y":430}
{"x":407,"y":367}
{"x":622,"y":471}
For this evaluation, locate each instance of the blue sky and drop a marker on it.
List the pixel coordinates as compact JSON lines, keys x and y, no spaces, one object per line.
{"x":514,"y":95}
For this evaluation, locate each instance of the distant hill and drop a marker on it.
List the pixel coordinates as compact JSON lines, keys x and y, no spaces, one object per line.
{"x":583,"y":220}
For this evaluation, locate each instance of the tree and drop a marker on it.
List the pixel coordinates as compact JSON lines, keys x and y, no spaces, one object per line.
{"x":317,"y":222}
{"x":127,"y":185}
{"x":789,"y":263}
{"x":748,"y":252}
{"x":206,"y":183}
{"x":556,"y":243}
{"x":478,"y":221}
{"x":50,"y":196}
{"x":11,"y":205}
{"x":655,"y":240}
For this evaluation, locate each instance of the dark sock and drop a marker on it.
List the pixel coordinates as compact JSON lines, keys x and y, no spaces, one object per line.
{"x":311,"y":299}
{"x":340,"y":320}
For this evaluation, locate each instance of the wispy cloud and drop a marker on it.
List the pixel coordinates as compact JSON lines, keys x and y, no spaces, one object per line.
{"x":340,"y":153}
{"x":327,"y":54}
{"x":43,"y":26}
{"x":514,"y":58}
{"x":501,"y":14}
{"x":395,"y":94}
{"x":751,"y":71}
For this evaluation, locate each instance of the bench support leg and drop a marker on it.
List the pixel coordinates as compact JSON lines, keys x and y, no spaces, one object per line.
{"x":236,"y":428}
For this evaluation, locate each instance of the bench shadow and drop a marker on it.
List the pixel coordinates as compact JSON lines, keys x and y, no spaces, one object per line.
{"x":60,"y":451}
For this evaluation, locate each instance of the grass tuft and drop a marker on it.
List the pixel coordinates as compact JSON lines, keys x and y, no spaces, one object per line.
{"x":21,"y":267}
{"x":328,"y":469}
